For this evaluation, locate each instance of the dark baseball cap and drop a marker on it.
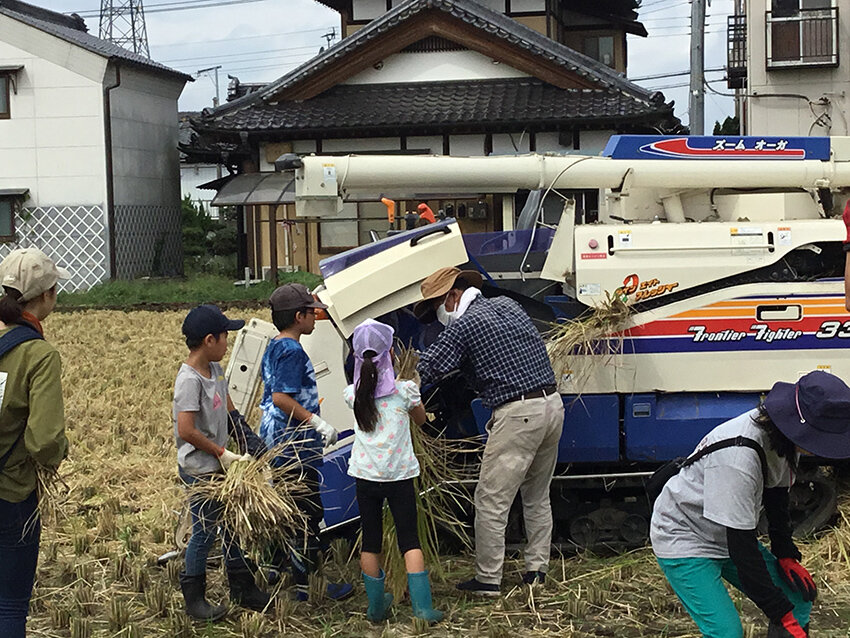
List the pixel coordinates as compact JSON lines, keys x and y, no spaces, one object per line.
{"x":208,"y":320}
{"x":293,"y":297}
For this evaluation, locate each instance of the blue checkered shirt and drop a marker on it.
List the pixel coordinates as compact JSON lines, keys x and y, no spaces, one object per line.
{"x":496,"y":347}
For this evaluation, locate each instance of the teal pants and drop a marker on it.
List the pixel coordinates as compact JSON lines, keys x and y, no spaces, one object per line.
{"x":698,"y":582}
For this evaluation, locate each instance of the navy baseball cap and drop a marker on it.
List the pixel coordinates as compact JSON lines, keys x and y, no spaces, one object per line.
{"x":208,"y":320}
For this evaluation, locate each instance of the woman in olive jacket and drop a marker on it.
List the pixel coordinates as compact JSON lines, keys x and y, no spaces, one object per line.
{"x":32,"y":427}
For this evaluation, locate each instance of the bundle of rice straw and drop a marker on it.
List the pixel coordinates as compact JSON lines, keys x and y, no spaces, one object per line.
{"x":442,"y":498}
{"x":578,"y":346}
{"x":52,"y":491}
{"x":260,"y":503}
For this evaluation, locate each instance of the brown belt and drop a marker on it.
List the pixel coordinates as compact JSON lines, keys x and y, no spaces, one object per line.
{"x":545,"y":391}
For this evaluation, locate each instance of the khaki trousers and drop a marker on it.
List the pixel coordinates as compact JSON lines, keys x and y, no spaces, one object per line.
{"x":519,"y":456}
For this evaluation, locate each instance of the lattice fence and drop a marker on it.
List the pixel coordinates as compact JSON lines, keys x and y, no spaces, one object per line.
{"x":73,"y":236}
{"x":148,"y":241}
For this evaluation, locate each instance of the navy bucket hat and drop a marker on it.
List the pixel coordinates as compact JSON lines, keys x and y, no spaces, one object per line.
{"x":814,"y":413}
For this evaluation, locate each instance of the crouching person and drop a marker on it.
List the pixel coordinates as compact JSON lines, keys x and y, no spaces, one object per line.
{"x":703,"y":528}
{"x":201,"y":429}
{"x":383,"y":462}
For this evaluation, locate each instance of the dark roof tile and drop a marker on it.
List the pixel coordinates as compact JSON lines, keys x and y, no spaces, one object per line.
{"x":433,"y":106}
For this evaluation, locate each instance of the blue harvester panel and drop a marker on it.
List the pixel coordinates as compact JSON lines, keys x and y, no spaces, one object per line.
{"x":660,"y":427}
{"x":338,"y":488}
{"x":591,"y":428}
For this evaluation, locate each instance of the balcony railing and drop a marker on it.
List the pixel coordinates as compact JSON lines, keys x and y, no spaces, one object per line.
{"x":808,"y":37}
{"x":736,"y":52}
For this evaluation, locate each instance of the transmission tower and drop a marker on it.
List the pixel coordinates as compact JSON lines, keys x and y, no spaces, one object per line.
{"x":123,"y":23}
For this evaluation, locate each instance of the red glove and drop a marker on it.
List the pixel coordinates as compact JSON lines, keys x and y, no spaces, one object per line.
{"x":846,"y":217}
{"x":790,"y":624}
{"x":798,"y":578}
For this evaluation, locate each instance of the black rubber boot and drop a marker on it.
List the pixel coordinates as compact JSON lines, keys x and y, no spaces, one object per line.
{"x":244,"y":591}
{"x":194,"y":593}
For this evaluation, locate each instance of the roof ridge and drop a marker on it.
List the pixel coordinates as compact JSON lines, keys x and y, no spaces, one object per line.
{"x":72,"y":21}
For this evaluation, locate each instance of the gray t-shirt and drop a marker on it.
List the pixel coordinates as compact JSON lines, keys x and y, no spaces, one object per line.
{"x":723,"y":489}
{"x":207,"y":398}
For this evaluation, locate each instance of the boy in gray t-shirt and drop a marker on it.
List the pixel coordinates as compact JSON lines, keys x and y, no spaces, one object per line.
{"x":201,"y":407}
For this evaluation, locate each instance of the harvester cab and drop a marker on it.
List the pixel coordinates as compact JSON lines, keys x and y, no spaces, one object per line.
{"x":726,"y":251}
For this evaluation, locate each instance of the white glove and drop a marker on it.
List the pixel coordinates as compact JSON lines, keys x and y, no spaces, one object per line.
{"x":228,"y":458}
{"x":328,"y":432}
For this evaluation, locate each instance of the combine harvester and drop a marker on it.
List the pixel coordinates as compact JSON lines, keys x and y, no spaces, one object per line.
{"x":727,"y":251}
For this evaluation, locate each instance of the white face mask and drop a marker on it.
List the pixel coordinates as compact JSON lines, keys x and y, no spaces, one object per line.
{"x":445,"y":317}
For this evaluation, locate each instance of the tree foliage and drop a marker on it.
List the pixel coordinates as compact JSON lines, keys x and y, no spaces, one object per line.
{"x":209,"y":245}
{"x":730,"y":126}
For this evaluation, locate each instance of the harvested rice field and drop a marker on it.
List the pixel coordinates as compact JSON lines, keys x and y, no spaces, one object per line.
{"x":98,"y":576}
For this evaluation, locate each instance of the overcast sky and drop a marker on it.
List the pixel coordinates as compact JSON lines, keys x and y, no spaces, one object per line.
{"x":260,"y":41}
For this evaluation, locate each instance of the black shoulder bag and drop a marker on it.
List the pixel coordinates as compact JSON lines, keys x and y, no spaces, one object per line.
{"x":8,"y":342}
{"x":656,"y":482}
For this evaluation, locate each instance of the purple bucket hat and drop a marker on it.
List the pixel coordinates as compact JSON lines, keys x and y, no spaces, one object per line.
{"x":377,"y":337}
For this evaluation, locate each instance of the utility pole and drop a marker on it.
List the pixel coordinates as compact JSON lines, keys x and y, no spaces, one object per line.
{"x":696,"y":98}
{"x":123,"y":23}
{"x":330,"y":36}
{"x":213,"y":71}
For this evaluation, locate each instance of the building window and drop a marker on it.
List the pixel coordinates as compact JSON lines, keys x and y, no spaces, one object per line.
{"x":7,"y":219}
{"x":600,"y":47}
{"x":4,"y":97}
{"x":335,"y":237}
{"x":802,"y":33}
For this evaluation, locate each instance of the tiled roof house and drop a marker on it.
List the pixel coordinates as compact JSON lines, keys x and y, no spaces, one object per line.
{"x":430,"y":76}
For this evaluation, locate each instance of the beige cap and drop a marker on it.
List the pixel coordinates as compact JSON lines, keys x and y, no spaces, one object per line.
{"x":438,"y":284}
{"x":31,"y":272}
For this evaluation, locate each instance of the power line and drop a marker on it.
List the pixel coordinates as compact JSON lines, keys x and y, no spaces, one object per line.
{"x":673,"y":75}
{"x":234,"y":55}
{"x":185,"y":5}
{"x":294,"y":59}
{"x":667,"y":8}
{"x":681,"y":85}
{"x":245,"y":37}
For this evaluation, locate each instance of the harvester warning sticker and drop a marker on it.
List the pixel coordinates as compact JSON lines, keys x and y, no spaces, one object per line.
{"x":624,"y":238}
{"x":590,"y":289}
{"x":783,"y":236}
{"x":745,"y":236}
{"x":329,"y":172}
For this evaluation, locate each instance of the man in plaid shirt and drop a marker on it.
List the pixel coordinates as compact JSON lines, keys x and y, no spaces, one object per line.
{"x":495,"y":345}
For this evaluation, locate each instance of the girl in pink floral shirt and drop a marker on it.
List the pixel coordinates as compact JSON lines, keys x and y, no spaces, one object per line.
{"x":384,"y":465}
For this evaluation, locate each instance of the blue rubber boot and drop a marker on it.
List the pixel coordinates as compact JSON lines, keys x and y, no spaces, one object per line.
{"x":420,"y":597}
{"x":379,"y":602}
